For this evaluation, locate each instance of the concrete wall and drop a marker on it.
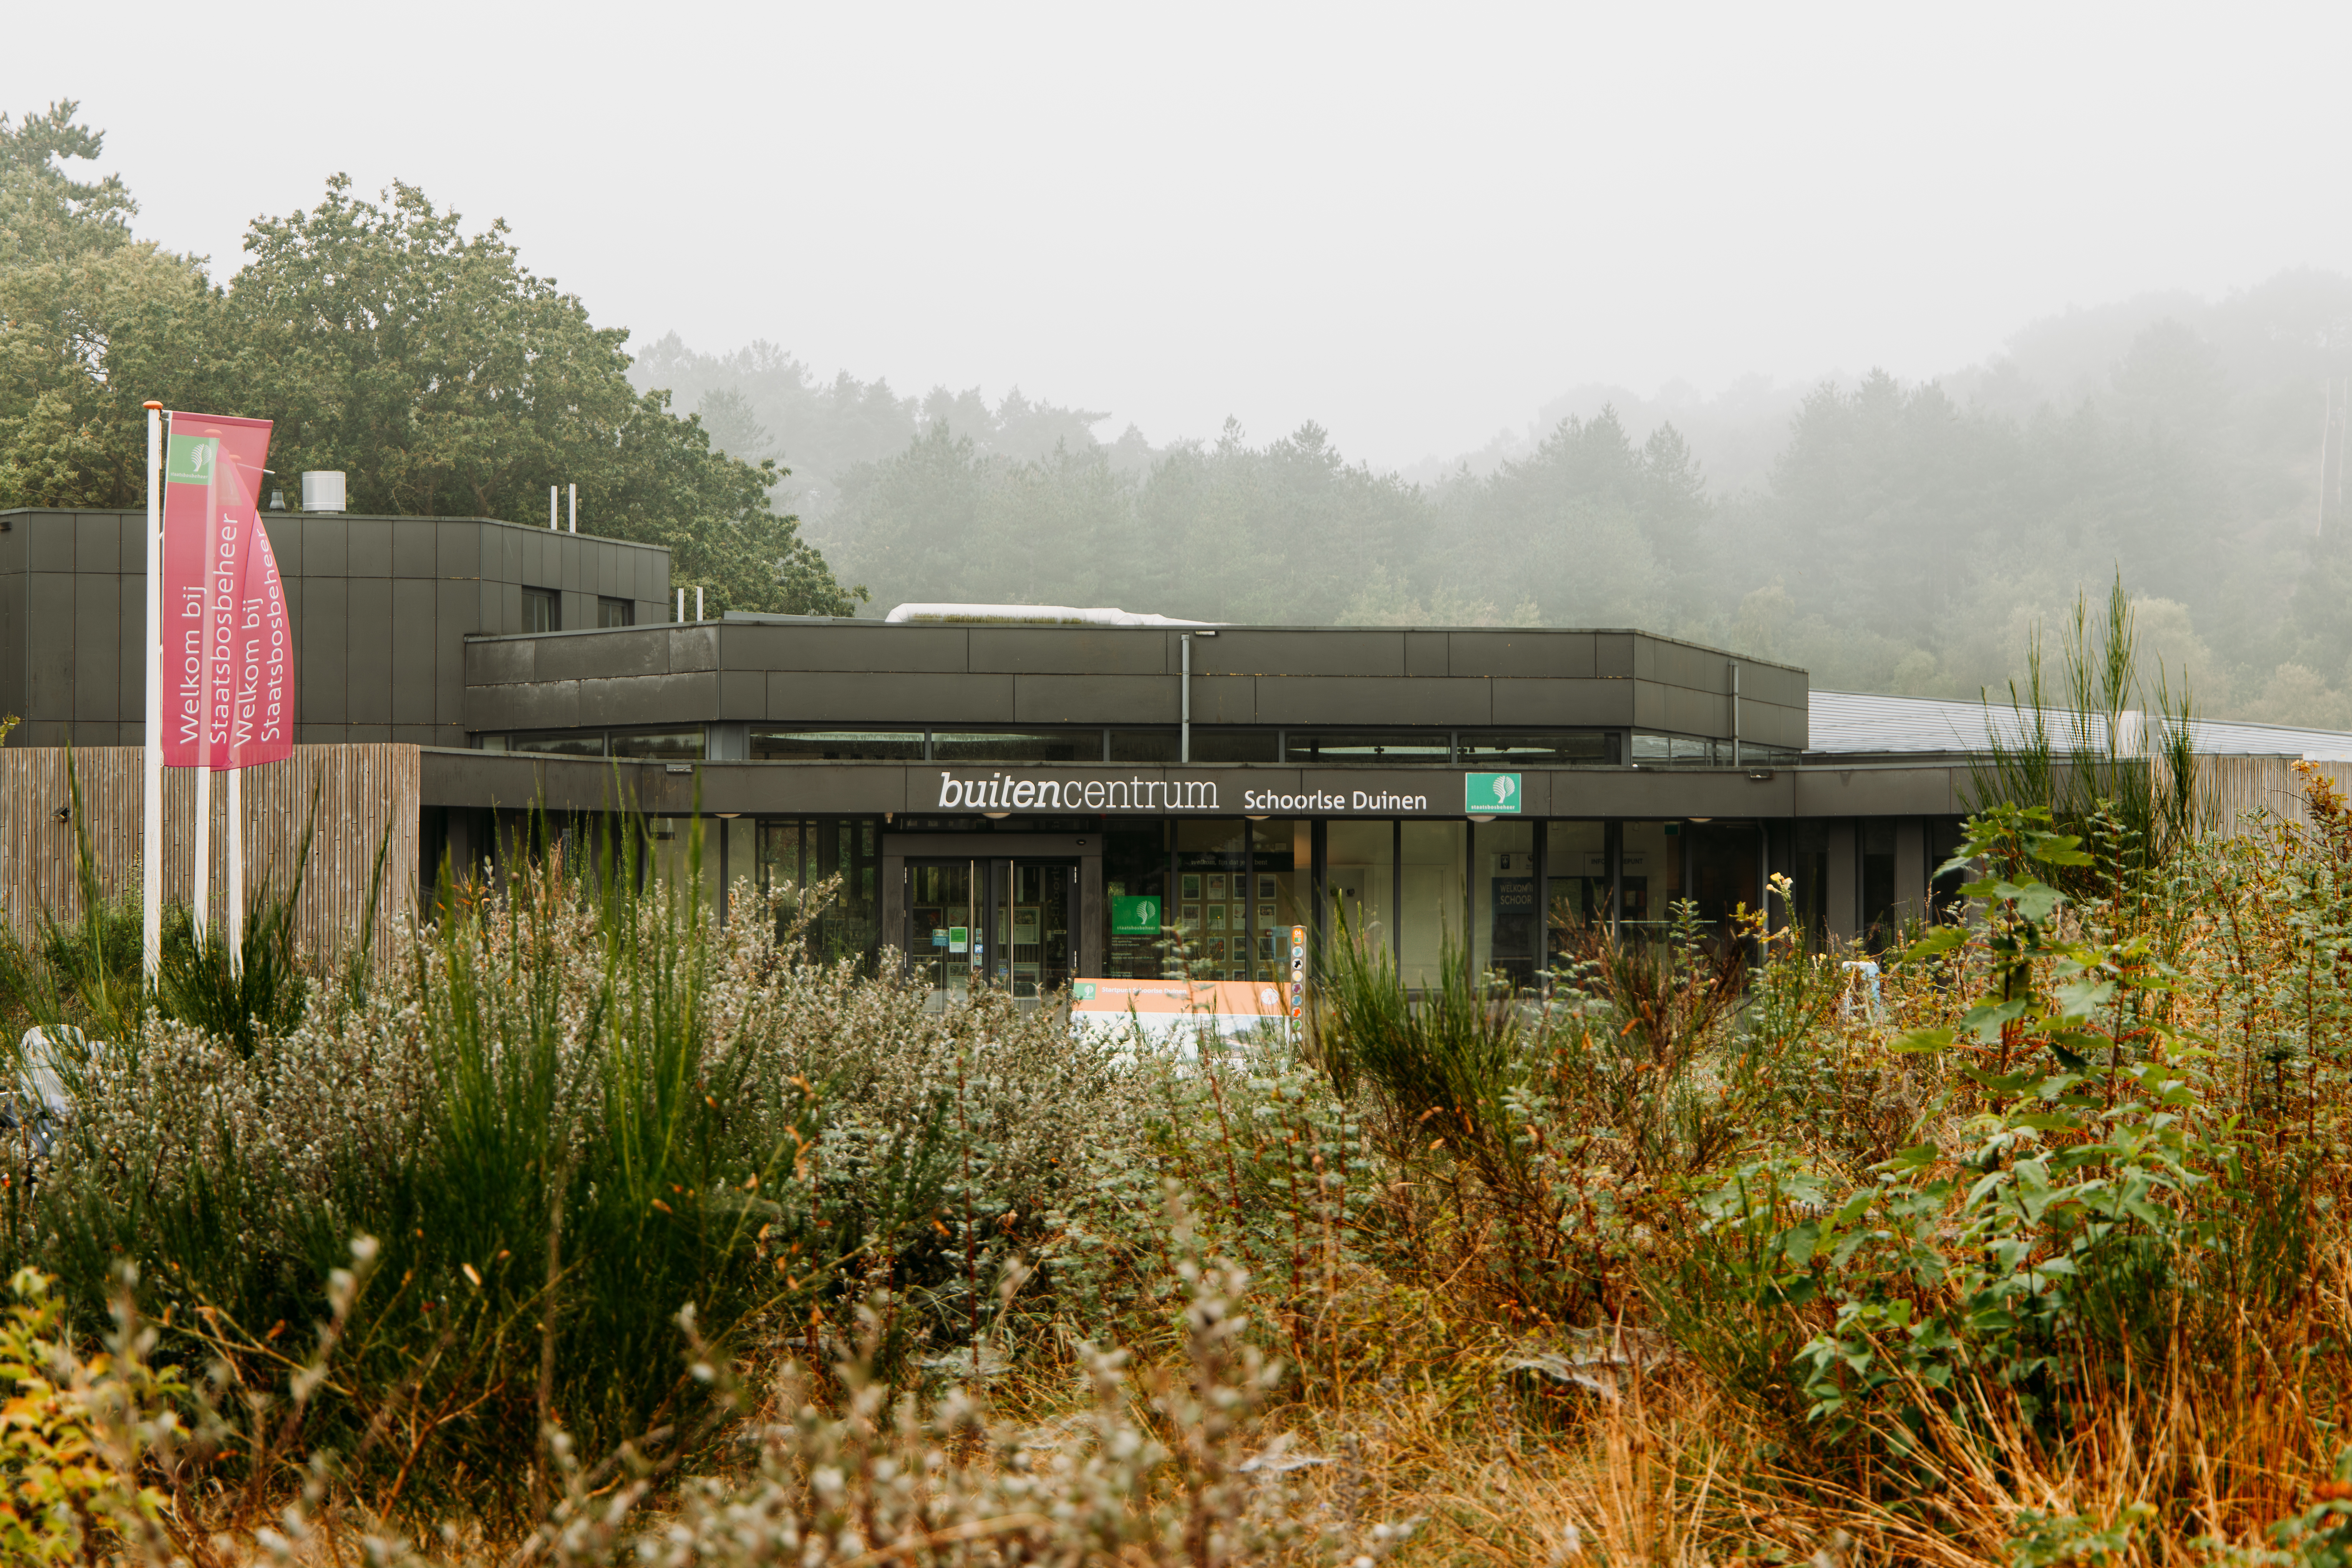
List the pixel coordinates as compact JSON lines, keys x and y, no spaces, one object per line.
{"x":381,"y":610}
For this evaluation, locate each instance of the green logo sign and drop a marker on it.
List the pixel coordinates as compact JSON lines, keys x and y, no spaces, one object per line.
{"x":1134,"y":917}
{"x":1083,"y":991}
{"x":1485,"y":793}
{"x":191,"y":459}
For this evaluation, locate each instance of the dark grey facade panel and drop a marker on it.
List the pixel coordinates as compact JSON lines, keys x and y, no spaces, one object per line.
{"x":458,"y":552}
{"x":367,"y":649}
{"x":326,"y":546}
{"x":413,"y":638}
{"x":12,"y":636}
{"x":412,"y":552}
{"x":368,"y":734}
{"x":1425,"y":654}
{"x":682,"y":699}
{"x":1552,"y":656}
{"x":97,"y":647}
{"x":693,"y":647}
{"x":416,"y":735}
{"x":48,"y":542}
{"x":546,"y":705}
{"x":1614,"y":656}
{"x":289,"y":542}
{"x":131,"y":650}
{"x":742,"y":696}
{"x":48,"y":652}
{"x":794,"y":697}
{"x":368,"y":547}
{"x":98,"y":543}
{"x":1774,"y":684}
{"x":1688,"y":712}
{"x":1356,"y":700}
{"x":500,"y":661}
{"x":324,"y":634}
{"x":1251,"y":650}
{"x":1881,"y":791}
{"x":454,"y":606}
{"x":1101,"y":699}
{"x":131,"y":543}
{"x":912,"y":650}
{"x":613,"y":654}
{"x":1064,"y":650}
{"x":1768,"y":724}
{"x":1548,"y":704}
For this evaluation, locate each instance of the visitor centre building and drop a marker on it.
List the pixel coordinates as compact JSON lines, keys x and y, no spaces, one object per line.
{"x":1021,"y":798}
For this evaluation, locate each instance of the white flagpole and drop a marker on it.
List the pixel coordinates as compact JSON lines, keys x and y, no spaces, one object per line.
{"x":200,"y":904}
{"x":151,"y":846}
{"x":236,"y":872}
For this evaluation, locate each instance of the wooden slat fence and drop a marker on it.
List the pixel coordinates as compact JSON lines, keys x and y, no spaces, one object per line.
{"x":361,"y":794}
{"x":2236,"y":788}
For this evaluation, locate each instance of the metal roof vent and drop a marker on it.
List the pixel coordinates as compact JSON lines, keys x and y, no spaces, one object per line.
{"x":322,"y":490}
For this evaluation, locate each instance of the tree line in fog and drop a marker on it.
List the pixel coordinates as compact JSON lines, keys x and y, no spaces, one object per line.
{"x":1888,"y":536}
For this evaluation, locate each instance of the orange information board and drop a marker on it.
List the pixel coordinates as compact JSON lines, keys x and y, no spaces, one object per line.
{"x":1161,"y":1009}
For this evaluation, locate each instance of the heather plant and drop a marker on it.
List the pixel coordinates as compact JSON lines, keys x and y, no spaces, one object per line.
{"x":573,"y":1109}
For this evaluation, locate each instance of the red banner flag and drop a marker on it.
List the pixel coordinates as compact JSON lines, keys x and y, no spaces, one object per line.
{"x":212,"y":479}
{"x":261,"y":720}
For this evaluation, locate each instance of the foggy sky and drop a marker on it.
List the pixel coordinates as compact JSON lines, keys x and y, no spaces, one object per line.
{"x":1415,"y":224}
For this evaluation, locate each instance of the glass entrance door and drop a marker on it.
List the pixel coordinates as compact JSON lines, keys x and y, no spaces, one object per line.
{"x":943,"y":920}
{"x":991,"y":922}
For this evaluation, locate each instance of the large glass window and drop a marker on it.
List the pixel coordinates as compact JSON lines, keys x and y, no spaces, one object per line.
{"x":804,"y":851}
{"x":1282,"y":881}
{"x":836,"y":745}
{"x":1209,"y":745}
{"x":1017,"y":746}
{"x":1653,"y":874}
{"x":1213,"y":897}
{"x":1680,"y":749}
{"x":667,"y":745}
{"x":1367,"y":748}
{"x":1360,"y":878}
{"x":559,"y":743}
{"x":1568,"y":749}
{"x":1726,"y":865}
{"x":543,"y":610}
{"x":1503,"y":899}
{"x":1435,"y":899}
{"x":1576,"y":875}
{"x":1134,"y":901}
{"x":1878,"y":922}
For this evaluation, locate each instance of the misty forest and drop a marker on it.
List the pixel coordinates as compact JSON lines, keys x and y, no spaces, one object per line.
{"x":1884,"y":535}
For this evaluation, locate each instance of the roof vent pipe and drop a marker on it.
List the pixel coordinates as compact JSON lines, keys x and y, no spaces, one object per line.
{"x":322,"y":490}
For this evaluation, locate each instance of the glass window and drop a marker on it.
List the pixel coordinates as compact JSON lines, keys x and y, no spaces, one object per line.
{"x":1359,"y":874}
{"x":1653,"y":875}
{"x":1878,"y":923}
{"x":1430,"y":920}
{"x":1570,"y":749}
{"x":803,"y":852}
{"x":1503,"y":899}
{"x":1356,"y":748}
{"x":1576,"y":871}
{"x":1213,"y":897}
{"x":1811,"y":876}
{"x":1726,"y":866}
{"x":490,"y":743}
{"x":543,"y":610}
{"x":1017,"y":746}
{"x":1209,"y":745}
{"x":559,"y":743}
{"x":611,"y":612}
{"x":669,"y":745}
{"x":836,"y":745}
{"x":1134,"y":901}
{"x":1680,"y":749}
{"x":1281,"y":893}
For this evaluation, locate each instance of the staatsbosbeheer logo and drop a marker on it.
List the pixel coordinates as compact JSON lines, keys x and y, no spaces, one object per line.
{"x":1490,"y":793}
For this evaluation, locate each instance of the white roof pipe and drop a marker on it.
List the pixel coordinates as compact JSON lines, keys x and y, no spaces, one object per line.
{"x":1035,"y":614}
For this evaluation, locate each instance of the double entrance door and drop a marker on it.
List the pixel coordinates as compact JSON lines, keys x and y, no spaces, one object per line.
{"x":1004,"y":923}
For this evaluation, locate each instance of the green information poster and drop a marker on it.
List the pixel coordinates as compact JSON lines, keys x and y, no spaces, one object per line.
{"x":1135,"y":917}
